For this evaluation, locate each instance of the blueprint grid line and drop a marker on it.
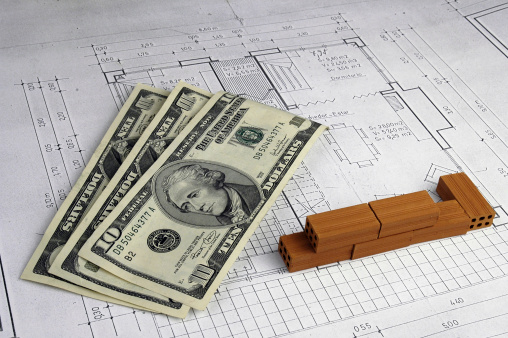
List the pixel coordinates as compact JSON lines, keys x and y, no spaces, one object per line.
{"x":87,"y":317}
{"x":445,"y":312}
{"x":60,"y":90}
{"x":55,"y":142}
{"x":409,"y":270}
{"x":7,"y":299}
{"x":53,"y":128}
{"x":38,"y":141}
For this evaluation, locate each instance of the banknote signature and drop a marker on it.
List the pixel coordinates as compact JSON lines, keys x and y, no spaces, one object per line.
{"x":206,"y":244}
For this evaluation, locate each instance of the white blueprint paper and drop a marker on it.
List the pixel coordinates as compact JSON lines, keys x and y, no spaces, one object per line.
{"x":411,"y":90}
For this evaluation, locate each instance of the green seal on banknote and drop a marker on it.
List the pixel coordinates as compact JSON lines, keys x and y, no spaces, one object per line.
{"x":249,"y":135}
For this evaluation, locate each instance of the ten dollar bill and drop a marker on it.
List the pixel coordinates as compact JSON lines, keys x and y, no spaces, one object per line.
{"x":181,"y":105}
{"x":137,"y":112}
{"x":181,"y":227}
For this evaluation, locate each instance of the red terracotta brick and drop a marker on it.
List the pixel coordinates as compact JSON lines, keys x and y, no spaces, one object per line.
{"x":341,"y":227}
{"x":382,"y":245}
{"x":298,"y":254}
{"x":460,"y":188}
{"x":405,"y":213}
{"x":452,"y":221}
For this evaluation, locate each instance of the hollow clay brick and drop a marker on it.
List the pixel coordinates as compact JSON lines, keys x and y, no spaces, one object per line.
{"x":298,"y":254}
{"x":452,"y":221}
{"x":382,"y":244}
{"x":405,"y":213}
{"x":460,"y":188}
{"x":341,"y":227}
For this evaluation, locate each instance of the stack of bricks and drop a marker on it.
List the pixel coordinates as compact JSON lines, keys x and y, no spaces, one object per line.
{"x":388,"y":224}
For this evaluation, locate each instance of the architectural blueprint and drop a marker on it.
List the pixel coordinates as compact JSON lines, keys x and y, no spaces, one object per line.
{"x":411,"y":90}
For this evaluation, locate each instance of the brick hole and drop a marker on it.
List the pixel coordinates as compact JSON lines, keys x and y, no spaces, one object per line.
{"x":284,"y":256}
{"x":306,"y":229}
{"x":490,"y":216}
{"x":315,"y":237}
{"x":471,"y":226}
{"x":482,"y":218}
{"x":311,"y":230}
{"x":479,"y":224}
{"x":487,"y":223}
{"x":287,"y":264}
{"x":285,"y":251}
{"x":314,"y":244}
{"x":280,"y":250}
{"x":473,"y":220}
{"x":289,"y":257}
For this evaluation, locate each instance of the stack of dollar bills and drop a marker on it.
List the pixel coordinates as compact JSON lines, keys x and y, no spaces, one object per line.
{"x":170,"y":197}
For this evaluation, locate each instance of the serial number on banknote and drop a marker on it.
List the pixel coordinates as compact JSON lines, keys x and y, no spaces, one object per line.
{"x":264,"y":146}
{"x":130,"y":234}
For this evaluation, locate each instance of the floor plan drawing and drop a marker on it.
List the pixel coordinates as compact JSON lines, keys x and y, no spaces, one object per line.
{"x":352,"y":146}
{"x":489,"y":19}
{"x":403,"y":108}
{"x":57,"y":139}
